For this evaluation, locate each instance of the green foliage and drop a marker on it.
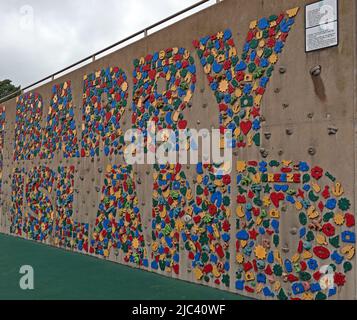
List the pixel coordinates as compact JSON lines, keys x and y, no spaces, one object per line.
{"x":7,"y":89}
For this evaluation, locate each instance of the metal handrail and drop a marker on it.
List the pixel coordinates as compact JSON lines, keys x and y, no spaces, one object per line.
{"x":93,"y":56}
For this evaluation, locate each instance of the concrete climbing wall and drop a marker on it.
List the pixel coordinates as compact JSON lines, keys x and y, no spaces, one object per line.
{"x":275,"y":228}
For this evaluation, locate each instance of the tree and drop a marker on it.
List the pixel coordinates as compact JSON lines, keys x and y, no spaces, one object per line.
{"x":7,"y":89}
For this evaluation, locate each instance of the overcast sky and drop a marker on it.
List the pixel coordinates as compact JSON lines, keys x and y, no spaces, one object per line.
{"x":40,"y":37}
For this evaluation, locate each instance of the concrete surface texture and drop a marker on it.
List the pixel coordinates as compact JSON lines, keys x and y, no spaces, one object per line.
{"x":281,"y":225}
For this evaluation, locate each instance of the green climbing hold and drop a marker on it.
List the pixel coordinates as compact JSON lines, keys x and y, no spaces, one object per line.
{"x":278,"y":270}
{"x":321,"y":296}
{"x":256,"y":139}
{"x":199,"y":190}
{"x":310,"y":236}
{"x":328,"y":216}
{"x":205,"y":257}
{"x":313,"y":197}
{"x":266,"y":224}
{"x":330,"y":176}
{"x":305,"y":276}
{"x":306,"y":178}
{"x":225,"y":280}
{"x":274,"y":163}
{"x":226,"y":201}
{"x":347,"y":266}
{"x":267,"y":189}
{"x":344,"y":204}
{"x":303,"y":218}
{"x":335,"y":241}
{"x":276,"y":240}
{"x":282,"y":295}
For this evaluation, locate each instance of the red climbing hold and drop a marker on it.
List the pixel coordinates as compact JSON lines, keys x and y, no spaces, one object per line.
{"x":322,"y":252}
{"x":350,"y":220}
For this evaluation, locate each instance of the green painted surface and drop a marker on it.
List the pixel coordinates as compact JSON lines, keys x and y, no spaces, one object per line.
{"x":65,"y":275}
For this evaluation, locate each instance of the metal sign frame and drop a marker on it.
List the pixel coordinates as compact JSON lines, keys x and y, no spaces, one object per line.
{"x":338,"y":27}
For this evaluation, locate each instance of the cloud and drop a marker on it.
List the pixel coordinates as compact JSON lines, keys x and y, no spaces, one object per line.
{"x":39,"y":37}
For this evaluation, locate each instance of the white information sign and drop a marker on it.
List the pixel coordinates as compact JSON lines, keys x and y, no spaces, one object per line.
{"x":321,"y":25}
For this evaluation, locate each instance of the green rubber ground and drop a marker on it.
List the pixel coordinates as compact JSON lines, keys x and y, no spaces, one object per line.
{"x":64,"y":275}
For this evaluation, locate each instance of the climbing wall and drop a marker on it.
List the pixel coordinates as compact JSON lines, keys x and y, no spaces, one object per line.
{"x":280,"y":225}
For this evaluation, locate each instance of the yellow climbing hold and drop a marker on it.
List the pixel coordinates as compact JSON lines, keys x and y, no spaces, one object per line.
{"x":189,"y":194}
{"x":278,"y":257}
{"x":307,"y":296}
{"x":298,"y":205}
{"x":154,"y":246}
{"x":339,"y":219}
{"x":248,"y":78}
{"x":241,"y":166}
{"x":243,"y":243}
{"x":228,"y":212}
{"x":292,"y":12}
{"x":258,"y":99}
{"x":348,"y":251}
{"x":240,"y":213}
{"x":256,"y":178}
{"x":237,"y":132}
{"x":166,"y":193}
{"x":179,"y":225}
{"x":250,"y":139}
{"x":124,"y":86}
{"x":321,"y":239}
{"x":223,"y":86}
{"x":199,"y":179}
{"x":207,"y":68}
{"x":266,"y":201}
{"x":163,"y":213}
{"x":216,"y":232}
{"x":239,"y":258}
{"x":274,"y":213}
{"x":337,"y":190}
{"x":259,"y":288}
{"x":316,"y":187}
{"x":238,"y":93}
{"x":249,"y":276}
{"x":135,"y":243}
{"x":273,"y":59}
{"x":277,"y":286}
{"x":175,"y":117}
{"x":295,"y":258}
{"x":216,"y":272}
{"x":306,"y":255}
{"x":198,"y":273}
{"x":253,"y":24}
{"x":312,"y":212}
{"x":260,"y":252}
{"x":259,"y":221}
{"x":220,"y":35}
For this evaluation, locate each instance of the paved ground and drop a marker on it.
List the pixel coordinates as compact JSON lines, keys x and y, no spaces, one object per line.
{"x":65,"y":275}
